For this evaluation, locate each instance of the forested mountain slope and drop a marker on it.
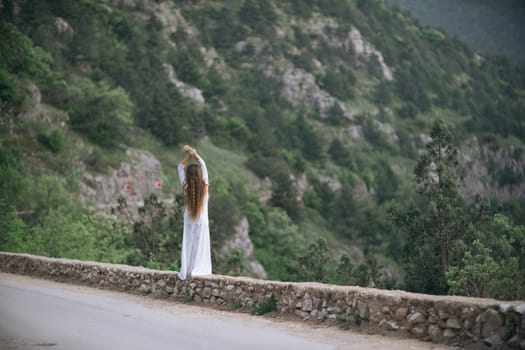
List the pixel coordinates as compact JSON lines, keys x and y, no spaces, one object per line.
{"x":312,"y":116}
{"x":494,"y":27}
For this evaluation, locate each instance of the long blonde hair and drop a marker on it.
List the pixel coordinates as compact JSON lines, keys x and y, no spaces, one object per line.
{"x":194,"y":189}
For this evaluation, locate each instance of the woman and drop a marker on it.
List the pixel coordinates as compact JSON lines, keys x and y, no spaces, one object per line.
{"x":195,"y":257}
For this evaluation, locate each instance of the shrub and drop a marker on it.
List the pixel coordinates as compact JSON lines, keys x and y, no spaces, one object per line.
{"x":8,"y":87}
{"x":492,"y":268}
{"x":339,"y":83}
{"x":56,"y":141}
{"x":311,"y":199}
{"x":100,"y":112}
{"x":313,"y":265}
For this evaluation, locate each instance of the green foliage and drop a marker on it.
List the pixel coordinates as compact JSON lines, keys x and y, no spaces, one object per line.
{"x":110,"y":75}
{"x":383,"y":94}
{"x":156,"y":236}
{"x":81,"y":235}
{"x":442,"y":220}
{"x":344,"y":270}
{"x":483,"y":17}
{"x":67,"y":232}
{"x":277,"y":241}
{"x":13,"y":183}
{"x":284,"y":195}
{"x":8,"y":87}
{"x":377,"y":137}
{"x":236,"y":129}
{"x":19,"y":56}
{"x":411,"y":85}
{"x":224,"y":20}
{"x":495,"y":268}
{"x":361,"y":275}
{"x":258,"y":15}
{"x":346,"y":213}
{"x":100,"y":112}
{"x":318,"y":265}
{"x":233,"y":264}
{"x":374,"y":67}
{"x":237,"y":304}
{"x":311,"y":199}
{"x":214,"y":85}
{"x":453,"y":246}
{"x":13,"y":231}
{"x":477,"y":277}
{"x":509,"y":176}
{"x":339,"y":154}
{"x":313,"y":265}
{"x":19,"y":59}
{"x":265,"y":306}
{"x":54,"y":226}
{"x":46,"y":194}
{"x":57,"y":140}
{"x":308,"y":140}
{"x":187,"y":64}
{"x":386,"y":182}
{"x":339,"y":84}
{"x":223,"y":209}
{"x":336,"y":115}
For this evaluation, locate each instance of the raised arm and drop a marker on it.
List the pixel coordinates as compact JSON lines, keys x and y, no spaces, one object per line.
{"x":181,"y":166}
{"x":193,"y":153}
{"x":204,"y":170}
{"x":182,"y":175}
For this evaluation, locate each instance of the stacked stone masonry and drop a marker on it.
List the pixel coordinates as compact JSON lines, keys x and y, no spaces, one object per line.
{"x":470,"y":322}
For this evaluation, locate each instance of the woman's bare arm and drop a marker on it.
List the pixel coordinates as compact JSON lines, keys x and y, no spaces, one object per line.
{"x":186,"y":159}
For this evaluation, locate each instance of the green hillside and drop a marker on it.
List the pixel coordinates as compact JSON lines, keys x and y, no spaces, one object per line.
{"x":492,"y":27}
{"x":325,"y":125}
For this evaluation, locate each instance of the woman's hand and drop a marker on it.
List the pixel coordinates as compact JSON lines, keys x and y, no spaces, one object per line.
{"x":191,"y":151}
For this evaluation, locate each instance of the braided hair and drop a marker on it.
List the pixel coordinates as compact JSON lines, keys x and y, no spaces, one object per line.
{"x":194,"y":190}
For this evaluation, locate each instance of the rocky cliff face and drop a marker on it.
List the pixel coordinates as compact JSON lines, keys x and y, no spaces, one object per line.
{"x":485,"y":164}
{"x":301,"y":89}
{"x":134,"y":180}
{"x":140,"y":174}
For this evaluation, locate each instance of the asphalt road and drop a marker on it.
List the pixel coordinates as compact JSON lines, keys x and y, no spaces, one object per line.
{"x":39,"y":314}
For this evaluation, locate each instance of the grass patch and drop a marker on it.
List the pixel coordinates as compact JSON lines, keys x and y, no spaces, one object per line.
{"x":227,"y":164}
{"x":266,"y":306}
{"x":221,"y":162}
{"x":237,"y":304}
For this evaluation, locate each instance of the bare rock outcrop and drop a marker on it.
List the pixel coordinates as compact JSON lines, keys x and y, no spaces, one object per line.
{"x":365,"y":48}
{"x":35,"y":110}
{"x":241,"y":242}
{"x":135,"y":179}
{"x":493,"y":172}
{"x":185,"y":89}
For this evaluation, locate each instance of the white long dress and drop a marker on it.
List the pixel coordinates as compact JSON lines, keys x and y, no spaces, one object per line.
{"x":195,"y":256}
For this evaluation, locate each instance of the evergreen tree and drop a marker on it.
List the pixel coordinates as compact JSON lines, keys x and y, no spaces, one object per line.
{"x":308,"y":140}
{"x":433,"y":227}
{"x":314,"y":265}
{"x":339,"y":153}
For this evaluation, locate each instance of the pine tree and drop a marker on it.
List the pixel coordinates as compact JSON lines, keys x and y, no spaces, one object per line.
{"x":441,"y":219}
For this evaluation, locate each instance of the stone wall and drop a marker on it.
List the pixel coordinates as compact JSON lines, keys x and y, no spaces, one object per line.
{"x":470,"y":322}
